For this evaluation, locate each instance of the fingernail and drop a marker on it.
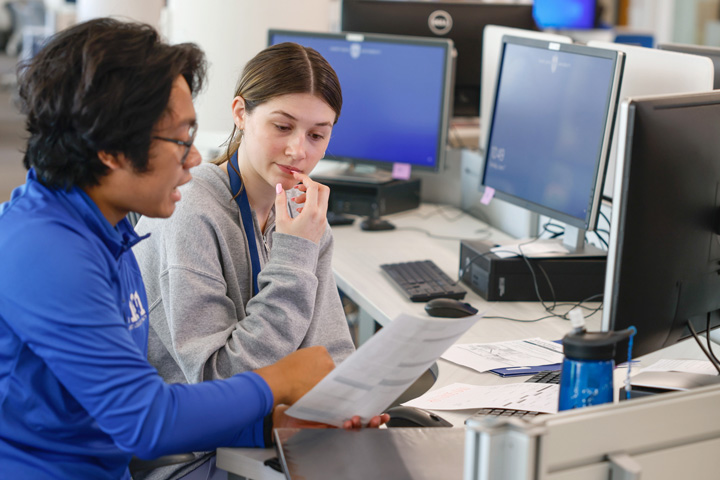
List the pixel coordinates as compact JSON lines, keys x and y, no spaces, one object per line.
{"x":278,"y":188}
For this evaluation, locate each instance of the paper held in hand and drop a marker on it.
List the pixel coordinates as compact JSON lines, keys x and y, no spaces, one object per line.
{"x":370,"y":379}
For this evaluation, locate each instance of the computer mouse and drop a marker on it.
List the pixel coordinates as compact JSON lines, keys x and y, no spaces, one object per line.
{"x":449,"y":308}
{"x":401,"y":416}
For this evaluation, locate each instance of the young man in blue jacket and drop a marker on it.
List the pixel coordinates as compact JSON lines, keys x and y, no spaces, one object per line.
{"x":111,"y":124}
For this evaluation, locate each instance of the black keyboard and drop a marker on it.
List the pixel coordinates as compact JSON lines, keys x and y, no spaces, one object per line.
{"x":547,"y":376}
{"x":422,"y":280}
{"x":505,"y":412}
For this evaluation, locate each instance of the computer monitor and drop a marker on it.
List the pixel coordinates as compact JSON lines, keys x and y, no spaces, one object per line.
{"x":566,"y":14}
{"x":492,"y":47}
{"x":396,"y":98}
{"x":550,"y":129}
{"x":649,"y":71}
{"x":713,"y":53}
{"x":460,"y":21}
{"x":664,"y":259}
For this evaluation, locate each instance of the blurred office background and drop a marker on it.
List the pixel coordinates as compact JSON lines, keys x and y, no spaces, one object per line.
{"x":232,"y":31}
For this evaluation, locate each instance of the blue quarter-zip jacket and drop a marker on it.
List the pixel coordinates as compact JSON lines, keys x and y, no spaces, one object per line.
{"x":77,"y":395}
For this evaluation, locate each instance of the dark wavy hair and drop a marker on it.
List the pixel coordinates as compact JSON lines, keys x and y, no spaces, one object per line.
{"x":98,"y":86}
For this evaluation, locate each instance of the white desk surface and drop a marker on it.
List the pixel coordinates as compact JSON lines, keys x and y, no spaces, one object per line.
{"x":356,"y":261}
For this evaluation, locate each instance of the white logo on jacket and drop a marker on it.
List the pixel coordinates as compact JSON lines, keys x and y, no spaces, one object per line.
{"x":137,"y":311}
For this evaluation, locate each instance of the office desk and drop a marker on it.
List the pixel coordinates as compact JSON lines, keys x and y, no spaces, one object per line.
{"x":358,"y":254}
{"x":356,"y":261}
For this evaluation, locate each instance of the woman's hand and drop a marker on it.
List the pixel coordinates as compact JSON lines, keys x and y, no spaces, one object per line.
{"x":281,"y":420}
{"x":312,"y":219}
{"x":374,"y":422}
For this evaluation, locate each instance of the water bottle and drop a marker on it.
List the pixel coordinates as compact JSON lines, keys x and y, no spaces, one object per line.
{"x":587,"y":369}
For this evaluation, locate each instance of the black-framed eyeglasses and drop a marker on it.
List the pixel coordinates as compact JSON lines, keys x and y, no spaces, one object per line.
{"x":188,"y":145}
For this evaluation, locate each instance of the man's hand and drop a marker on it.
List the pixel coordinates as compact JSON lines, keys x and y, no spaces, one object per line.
{"x":294,"y":375}
{"x":312,"y":220}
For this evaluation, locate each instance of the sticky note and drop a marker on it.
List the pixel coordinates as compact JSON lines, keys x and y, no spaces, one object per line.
{"x":488,"y":195}
{"x":401,"y":171}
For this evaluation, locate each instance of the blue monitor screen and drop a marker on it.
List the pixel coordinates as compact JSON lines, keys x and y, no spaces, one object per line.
{"x":550,"y":130}
{"x":570,"y":14}
{"x":395,"y":96}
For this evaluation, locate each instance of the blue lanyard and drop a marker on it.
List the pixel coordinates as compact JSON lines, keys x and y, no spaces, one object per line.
{"x":236,"y":185}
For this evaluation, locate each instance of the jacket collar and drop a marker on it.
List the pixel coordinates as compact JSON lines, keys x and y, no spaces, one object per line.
{"x":118,"y":239}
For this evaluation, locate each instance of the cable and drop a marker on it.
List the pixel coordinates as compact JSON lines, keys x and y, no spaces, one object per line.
{"x":602,"y":214}
{"x":438,"y":210}
{"x":444,"y":237}
{"x":551,"y":315}
{"x":554,"y":233}
{"x":549,"y":309}
{"x":601,"y":239}
{"x":707,"y":337}
{"x":702,"y":347}
{"x":534,"y":277}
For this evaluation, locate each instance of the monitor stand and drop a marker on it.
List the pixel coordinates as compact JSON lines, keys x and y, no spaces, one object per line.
{"x":574,"y":240}
{"x":356,"y":173}
{"x":336,"y":219}
{"x":371,"y":224}
{"x":374,"y":223}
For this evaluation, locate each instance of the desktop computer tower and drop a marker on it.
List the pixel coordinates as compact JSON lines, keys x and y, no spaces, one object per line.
{"x":369,"y":199}
{"x":573,"y":278}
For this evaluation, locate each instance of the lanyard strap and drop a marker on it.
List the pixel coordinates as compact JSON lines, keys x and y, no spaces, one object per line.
{"x":236,"y":185}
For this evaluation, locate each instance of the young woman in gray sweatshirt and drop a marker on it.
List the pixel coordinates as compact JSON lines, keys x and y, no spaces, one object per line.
{"x":208,"y":319}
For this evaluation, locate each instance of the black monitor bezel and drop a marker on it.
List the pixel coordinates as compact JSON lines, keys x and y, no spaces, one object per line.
{"x":386,"y":17}
{"x":590,"y":221}
{"x":635,"y":293}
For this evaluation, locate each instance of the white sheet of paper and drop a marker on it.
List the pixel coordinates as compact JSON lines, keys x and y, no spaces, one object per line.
{"x":516,"y":353}
{"x":530,"y":248}
{"x":539,"y":397}
{"x":688,"y":366}
{"x":380,"y":370}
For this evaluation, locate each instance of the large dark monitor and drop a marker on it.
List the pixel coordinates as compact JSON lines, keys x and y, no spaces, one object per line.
{"x":566,"y":14}
{"x":396,"y":97}
{"x":664,"y":258}
{"x":550,"y":130}
{"x":713,"y":53}
{"x":461,"y":21}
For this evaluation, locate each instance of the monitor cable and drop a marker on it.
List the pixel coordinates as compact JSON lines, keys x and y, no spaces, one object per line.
{"x":702,"y":347}
{"x":709,"y":341}
{"x":445,"y":237}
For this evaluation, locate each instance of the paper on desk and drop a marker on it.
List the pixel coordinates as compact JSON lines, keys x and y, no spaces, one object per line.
{"x":539,"y":397}
{"x":517,"y":353}
{"x":688,"y":366}
{"x":370,"y":379}
{"x":530,"y":248}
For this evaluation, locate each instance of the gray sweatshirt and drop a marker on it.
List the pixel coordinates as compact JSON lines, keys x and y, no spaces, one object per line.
{"x":205,"y":324}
